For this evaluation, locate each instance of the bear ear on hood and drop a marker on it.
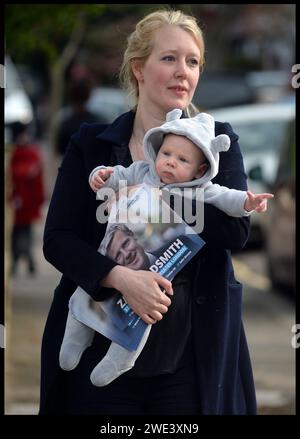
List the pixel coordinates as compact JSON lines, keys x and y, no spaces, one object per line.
{"x":220,"y":143}
{"x":173,"y":115}
{"x":205,"y":118}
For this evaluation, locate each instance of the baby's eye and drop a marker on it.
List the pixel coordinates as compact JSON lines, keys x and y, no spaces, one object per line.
{"x":166,"y":153}
{"x":182,"y":159}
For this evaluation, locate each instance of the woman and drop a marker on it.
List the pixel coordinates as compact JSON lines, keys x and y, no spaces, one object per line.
{"x":196,"y":360}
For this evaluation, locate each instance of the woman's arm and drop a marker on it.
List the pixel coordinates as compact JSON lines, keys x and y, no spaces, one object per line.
{"x":69,"y":217}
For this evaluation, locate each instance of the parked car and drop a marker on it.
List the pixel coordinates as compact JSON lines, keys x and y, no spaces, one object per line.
{"x":219,"y":89}
{"x":17,"y":105}
{"x":270,"y":85}
{"x":108,"y":103}
{"x":279,"y":222}
{"x":262,"y":130}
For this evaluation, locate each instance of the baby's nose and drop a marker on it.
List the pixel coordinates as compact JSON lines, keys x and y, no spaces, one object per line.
{"x":171,"y":162}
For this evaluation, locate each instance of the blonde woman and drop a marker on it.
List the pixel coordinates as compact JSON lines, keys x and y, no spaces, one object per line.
{"x":196,"y":359}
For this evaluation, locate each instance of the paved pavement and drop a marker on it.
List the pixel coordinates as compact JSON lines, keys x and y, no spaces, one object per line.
{"x":268,"y":324}
{"x":30,"y":299}
{"x":268,"y":319}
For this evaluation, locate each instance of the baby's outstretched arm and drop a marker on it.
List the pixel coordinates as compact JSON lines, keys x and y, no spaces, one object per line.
{"x":257,"y":202}
{"x":98,"y":178}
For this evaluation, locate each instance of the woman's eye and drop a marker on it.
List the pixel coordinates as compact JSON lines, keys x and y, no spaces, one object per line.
{"x":169,"y":58}
{"x":194,"y":62}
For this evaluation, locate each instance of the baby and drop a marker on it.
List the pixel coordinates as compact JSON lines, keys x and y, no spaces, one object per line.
{"x":183,"y":153}
{"x":180,"y":153}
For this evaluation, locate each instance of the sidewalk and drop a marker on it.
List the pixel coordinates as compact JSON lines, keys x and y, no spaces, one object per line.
{"x":30,"y":298}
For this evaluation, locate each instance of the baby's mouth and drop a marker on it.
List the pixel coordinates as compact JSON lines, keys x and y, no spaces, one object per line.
{"x":168,"y":174}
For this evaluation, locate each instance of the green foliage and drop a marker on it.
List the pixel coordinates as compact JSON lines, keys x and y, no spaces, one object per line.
{"x":43,"y":28}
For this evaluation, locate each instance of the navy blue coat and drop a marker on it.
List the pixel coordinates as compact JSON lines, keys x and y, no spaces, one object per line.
{"x":72,"y":235}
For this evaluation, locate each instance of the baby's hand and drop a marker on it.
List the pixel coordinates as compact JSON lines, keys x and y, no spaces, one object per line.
{"x":257,"y":202}
{"x":99,"y":177}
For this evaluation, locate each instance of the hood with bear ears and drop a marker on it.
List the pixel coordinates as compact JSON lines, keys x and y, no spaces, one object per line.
{"x":200,"y":130}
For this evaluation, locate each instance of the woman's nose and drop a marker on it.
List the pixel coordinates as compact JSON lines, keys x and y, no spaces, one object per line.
{"x":181,"y":69}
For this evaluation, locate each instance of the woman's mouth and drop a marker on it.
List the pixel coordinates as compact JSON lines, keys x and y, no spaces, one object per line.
{"x":179,"y":91}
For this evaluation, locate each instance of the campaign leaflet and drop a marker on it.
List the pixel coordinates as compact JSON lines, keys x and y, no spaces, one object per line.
{"x":143,"y":229}
{"x":89,"y":312}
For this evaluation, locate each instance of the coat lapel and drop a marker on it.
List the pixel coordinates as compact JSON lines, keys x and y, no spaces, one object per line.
{"x":118,"y":135}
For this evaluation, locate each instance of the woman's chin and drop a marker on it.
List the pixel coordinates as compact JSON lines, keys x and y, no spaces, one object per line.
{"x":177,"y":103}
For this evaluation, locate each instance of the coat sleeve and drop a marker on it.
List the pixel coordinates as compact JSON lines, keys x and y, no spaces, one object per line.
{"x":231,"y":201}
{"x":133,"y":175}
{"x":68,"y":219}
{"x":221,"y":230}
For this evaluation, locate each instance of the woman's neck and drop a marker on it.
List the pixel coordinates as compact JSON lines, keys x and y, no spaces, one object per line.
{"x":142,"y":123}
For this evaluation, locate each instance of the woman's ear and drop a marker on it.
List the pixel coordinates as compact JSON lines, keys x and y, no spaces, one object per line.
{"x":201,"y":170}
{"x":138,"y":69}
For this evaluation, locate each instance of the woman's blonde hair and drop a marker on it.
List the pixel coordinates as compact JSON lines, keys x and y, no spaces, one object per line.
{"x":139,"y":43}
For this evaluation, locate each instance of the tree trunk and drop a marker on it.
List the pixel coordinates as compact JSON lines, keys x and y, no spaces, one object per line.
{"x":59,"y":68}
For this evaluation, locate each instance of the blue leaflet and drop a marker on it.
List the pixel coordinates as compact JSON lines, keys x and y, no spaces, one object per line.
{"x":175,"y":245}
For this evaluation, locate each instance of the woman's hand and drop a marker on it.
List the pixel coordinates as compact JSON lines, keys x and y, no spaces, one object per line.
{"x":142,"y":290}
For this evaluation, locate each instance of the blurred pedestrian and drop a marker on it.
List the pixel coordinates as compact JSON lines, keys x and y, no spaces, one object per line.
{"x":27,"y":195}
{"x":72,"y":117}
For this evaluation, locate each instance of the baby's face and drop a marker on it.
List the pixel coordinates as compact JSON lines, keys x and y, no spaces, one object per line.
{"x":179,"y":160}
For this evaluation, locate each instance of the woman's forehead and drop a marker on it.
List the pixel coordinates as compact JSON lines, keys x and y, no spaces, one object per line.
{"x":174,"y":38}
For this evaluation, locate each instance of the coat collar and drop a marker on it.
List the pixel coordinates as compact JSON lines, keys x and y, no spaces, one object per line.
{"x":119,"y":131}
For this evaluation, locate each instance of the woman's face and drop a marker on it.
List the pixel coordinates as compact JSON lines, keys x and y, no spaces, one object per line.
{"x":170,"y":74}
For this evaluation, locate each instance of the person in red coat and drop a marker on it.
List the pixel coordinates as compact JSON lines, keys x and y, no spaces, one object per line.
{"x":27,"y":194}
